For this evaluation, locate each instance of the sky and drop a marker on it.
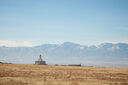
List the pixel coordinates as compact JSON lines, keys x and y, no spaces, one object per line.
{"x":87,"y":22}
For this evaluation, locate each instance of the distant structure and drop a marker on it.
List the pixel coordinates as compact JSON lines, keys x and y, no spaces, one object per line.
{"x":74,"y":65}
{"x":40,"y":61}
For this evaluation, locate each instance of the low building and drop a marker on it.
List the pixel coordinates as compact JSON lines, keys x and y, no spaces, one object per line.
{"x":74,"y":65}
{"x":40,"y":61}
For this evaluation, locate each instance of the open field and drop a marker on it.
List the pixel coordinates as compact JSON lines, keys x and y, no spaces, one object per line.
{"x":19,"y":74}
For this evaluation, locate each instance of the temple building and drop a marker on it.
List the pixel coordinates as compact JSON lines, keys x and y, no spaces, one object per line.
{"x":40,"y":61}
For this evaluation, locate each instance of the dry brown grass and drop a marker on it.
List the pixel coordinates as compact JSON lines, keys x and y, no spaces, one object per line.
{"x":19,"y":74}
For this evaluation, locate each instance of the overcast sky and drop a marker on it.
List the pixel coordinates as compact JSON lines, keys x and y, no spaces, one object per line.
{"x":87,"y":22}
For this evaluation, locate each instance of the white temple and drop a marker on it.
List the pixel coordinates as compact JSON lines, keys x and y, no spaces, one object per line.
{"x":40,"y":61}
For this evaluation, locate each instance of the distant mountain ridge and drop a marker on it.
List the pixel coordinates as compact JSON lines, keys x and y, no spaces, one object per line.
{"x":105,"y":54}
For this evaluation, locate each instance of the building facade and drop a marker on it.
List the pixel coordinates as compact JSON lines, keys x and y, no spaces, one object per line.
{"x":40,"y":61}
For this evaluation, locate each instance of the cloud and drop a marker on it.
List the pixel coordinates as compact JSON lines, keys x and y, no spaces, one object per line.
{"x":10,"y":43}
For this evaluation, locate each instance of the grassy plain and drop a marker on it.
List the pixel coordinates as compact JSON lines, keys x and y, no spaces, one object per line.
{"x":21,"y":74}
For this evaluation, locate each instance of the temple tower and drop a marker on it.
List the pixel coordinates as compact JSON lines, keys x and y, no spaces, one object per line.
{"x":40,"y":61}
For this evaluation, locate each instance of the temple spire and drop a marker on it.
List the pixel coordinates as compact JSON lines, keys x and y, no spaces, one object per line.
{"x":40,"y":58}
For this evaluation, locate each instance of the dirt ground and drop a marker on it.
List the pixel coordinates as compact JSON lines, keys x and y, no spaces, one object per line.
{"x":21,"y":74}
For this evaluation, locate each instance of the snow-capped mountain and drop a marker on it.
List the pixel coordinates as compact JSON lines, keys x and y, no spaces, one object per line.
{"x":105,"y":54}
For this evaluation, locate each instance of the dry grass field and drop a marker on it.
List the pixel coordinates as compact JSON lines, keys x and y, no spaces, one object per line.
{"x":19,"y":74}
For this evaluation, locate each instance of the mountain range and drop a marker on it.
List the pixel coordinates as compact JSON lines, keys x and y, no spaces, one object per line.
{"x":105,"y":54}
